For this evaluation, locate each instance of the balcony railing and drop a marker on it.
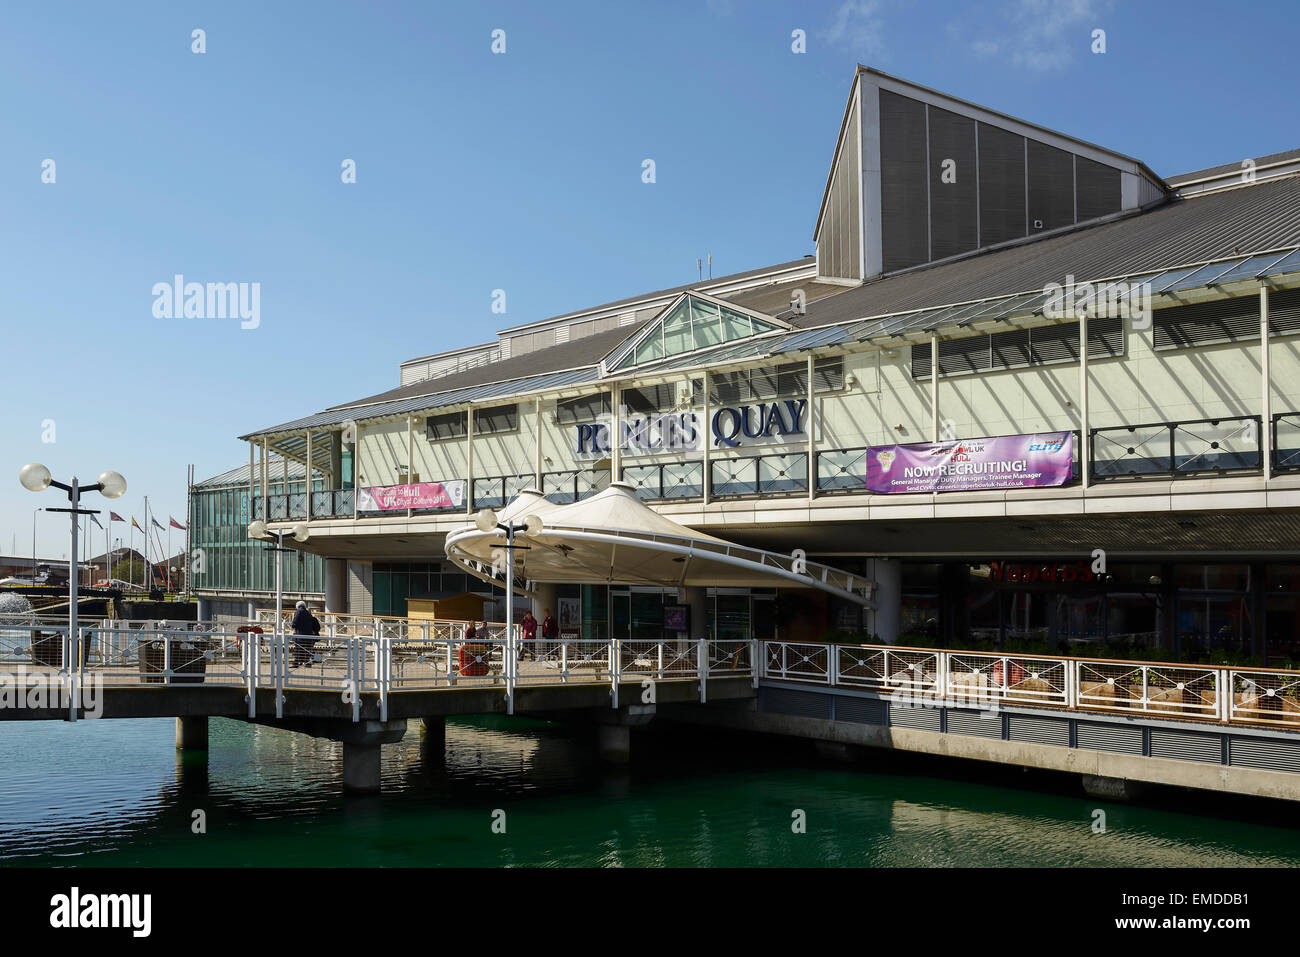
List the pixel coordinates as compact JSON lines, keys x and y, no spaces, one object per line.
{"x":933,"y":678}
{"x":1286,"y":442}
{"x":563,"y":488}
{"x":1200,"y":447}
{"x":1176,"y":449}
{"x":759,"y":475}
{"x":494,"y":492}
{"x":334,"y":503}
{"x":666,"y":482}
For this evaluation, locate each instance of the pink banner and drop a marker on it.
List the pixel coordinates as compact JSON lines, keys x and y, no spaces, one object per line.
{"x":1004,"y":461}
{"x":394,"y":498}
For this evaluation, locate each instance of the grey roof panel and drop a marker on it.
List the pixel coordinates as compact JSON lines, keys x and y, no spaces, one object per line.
{"x":1246,"y":220}
{"x":1231,"y":168}
{"x":337,"y":416}
{"x":239,"y":476}
{"x":1250,"y":219}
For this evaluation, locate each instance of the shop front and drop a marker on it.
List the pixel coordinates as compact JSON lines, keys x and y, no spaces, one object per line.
{"x":1212,"y":611}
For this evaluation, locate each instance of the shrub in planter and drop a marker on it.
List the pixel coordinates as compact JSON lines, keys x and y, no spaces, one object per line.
{"x":47,"y":649}
{"x":189,"y":659}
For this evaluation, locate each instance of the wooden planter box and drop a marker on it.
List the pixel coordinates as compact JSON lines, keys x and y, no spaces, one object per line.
{"x":1090,"y":691}
{"x":47,"y":650}
{"x":189,"y":660}
{"x":1032,"y":689}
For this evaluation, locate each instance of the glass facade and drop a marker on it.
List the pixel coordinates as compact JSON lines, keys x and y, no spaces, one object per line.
{"x":226,"y":559}
{"x":1212,"y":611}
{"x":394,"y":582}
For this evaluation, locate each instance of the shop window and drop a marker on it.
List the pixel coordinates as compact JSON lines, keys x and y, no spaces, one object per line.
{"x":731,"y":617}
{"x":790,"y":379}
{"x":589,"y":408}
{"x":1210,"y":623}
{"x":1213,"y":577}
{"x":650,"y":400}
{"x":449,"y":425}
{"x":496,"y":419}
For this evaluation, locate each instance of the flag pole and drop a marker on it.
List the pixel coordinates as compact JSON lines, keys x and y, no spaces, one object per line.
{"x":148,"y":565}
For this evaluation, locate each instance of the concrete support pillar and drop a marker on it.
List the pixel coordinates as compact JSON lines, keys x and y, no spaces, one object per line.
{"x":1112,"y":789}
{"x":252,"y":610}
{"x":615,"y":743}
{"x":336,"y":586}
{"x":545,"y":599}
{"x":192,"y":733}
{"x":697,"y":599}
{"x":433,"y":740}
{"x":887,"y":619}
{"x":205,"y":609}
{"x":361,"y":767}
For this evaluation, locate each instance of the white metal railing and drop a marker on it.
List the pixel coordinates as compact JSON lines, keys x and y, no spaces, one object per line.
{"x":1157,"y":689}
{"x":354,"y":656}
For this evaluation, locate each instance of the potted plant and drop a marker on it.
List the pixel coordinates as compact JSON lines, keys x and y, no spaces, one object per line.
{"x":189,"y":658}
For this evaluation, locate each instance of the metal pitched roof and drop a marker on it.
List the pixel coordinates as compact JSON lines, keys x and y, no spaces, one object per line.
{"x":1214,"y":171}
{"x":1197,"y":229}
{"x":239,"y":476}
{"x":1168,"y":244}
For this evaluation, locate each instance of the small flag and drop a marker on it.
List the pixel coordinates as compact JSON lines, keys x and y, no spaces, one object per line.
{"x":114,"y":517}
{"x":136,"y":524}
{"x":157,"y":524}
{"x":175,"y":524}
{"x":95,"y":520}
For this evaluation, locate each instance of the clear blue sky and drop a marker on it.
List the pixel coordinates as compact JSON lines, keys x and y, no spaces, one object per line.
{"x":475,"y":172}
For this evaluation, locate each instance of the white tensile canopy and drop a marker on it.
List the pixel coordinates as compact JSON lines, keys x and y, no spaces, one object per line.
{"x":614,"y":537}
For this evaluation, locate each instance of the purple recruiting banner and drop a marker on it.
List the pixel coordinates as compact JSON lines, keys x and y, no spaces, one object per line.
{"x":1006,"y":461}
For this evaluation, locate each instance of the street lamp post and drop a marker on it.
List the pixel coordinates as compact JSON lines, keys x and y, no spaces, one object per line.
{"x":532,"y":525}
{"x":36,"y":478}
{"x":34,"y":511}
{"x":300,"y":533}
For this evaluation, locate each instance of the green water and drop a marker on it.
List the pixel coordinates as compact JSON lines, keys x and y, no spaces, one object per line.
{"x":117,"y":793}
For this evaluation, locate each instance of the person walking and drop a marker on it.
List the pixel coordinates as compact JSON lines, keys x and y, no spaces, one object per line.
{"x":306,"y":631}
{"x":528,"y":628}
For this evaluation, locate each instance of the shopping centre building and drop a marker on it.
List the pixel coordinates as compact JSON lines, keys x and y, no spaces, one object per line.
{"x":1026,"y":388}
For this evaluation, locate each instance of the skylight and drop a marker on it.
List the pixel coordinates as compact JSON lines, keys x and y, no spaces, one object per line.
{"x":689,"y":325}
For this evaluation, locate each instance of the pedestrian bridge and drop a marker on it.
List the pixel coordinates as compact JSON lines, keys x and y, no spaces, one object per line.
{"x":1117,"y":723}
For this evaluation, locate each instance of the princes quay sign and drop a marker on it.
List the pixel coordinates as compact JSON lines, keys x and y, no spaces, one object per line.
{"x":764,"y":423}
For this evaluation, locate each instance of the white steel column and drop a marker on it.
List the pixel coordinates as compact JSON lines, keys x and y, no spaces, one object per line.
{"x":356,"y":472}
{"x":812,"y":434}
{"x":1085,"y":465}
{"x":537,"y":453}
{"x":308,"y":484}
{"x":1266,"y":387}
{"x":934,"y":387}
{"x":616,"y":440}
{"x":704,"y":437}
{"x":469,"y":459}
{"x":410,"y":455}
{"x":266,"y":512}
{"x":252,"y":481}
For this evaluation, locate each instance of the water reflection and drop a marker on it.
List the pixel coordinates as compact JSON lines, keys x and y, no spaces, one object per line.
{"x":117,"y":792}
